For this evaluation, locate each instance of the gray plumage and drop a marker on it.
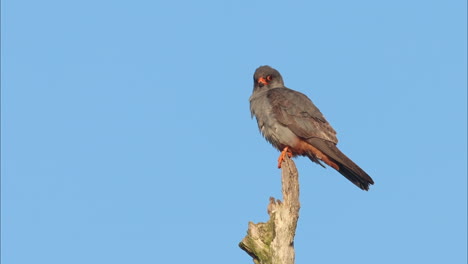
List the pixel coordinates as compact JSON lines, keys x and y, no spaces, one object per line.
{"x":287,"y":118}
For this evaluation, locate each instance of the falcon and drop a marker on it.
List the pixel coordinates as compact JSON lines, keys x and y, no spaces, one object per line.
{"x":295,"y":126}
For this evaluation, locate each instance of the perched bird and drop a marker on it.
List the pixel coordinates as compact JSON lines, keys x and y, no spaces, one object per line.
{"x":295,"y":126}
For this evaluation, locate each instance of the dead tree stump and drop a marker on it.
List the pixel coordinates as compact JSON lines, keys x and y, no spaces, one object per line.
{"x":273,"y":242}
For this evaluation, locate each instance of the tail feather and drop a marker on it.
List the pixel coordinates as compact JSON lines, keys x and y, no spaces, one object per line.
{"x":347,"y":167}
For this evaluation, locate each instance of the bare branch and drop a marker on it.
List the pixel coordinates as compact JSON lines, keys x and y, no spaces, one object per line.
{"x":273,"y":242}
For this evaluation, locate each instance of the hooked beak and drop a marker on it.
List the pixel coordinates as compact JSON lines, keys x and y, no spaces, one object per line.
{"x":262,"y":81}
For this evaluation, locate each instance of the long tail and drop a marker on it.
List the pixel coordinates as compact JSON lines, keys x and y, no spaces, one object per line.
{"x":339,"y":161}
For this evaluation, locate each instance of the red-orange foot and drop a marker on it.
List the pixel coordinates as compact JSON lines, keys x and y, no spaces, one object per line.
{"x":281,"y":157}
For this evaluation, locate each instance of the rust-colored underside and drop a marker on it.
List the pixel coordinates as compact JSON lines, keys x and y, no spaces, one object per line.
{"x":303,"y":148}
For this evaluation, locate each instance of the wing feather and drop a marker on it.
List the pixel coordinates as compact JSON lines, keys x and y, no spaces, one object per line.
{"x":296,"y":111}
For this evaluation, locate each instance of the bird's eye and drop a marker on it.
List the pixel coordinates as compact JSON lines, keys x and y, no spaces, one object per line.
{"x":269,"y":78}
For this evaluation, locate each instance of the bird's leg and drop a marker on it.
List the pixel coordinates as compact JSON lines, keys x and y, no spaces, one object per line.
{"x":281,"y":157}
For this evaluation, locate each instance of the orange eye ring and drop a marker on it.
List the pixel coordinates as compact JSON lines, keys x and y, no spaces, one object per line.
{"x":269,"y":78}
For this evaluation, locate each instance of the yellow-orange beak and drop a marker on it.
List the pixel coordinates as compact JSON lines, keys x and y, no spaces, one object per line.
{"x":262,"y":81}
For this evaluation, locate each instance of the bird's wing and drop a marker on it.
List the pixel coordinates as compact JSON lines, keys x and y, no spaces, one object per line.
{"x":296,"y":111}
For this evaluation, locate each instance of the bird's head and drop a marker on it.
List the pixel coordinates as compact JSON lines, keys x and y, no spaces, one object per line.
{"x":265,"y":77}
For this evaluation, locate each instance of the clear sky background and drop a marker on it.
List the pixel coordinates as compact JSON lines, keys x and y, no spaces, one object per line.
{"x":127,"y":137}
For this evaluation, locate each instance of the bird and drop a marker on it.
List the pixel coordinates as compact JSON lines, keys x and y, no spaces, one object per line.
{"x":291,"y":122}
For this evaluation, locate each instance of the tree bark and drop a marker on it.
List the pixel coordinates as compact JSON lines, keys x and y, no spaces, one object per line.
{"x":273,"y":242}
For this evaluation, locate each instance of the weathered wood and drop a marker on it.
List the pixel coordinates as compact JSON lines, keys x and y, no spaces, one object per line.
{"x":273,"y":242}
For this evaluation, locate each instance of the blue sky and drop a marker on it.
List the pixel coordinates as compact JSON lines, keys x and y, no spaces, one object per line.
{"x":127,"y":137}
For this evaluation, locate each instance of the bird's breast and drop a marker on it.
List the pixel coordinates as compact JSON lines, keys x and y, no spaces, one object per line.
{"x":274,"y":132}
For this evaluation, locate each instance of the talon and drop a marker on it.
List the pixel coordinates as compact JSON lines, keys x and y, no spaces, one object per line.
{"x":281,"y":157}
